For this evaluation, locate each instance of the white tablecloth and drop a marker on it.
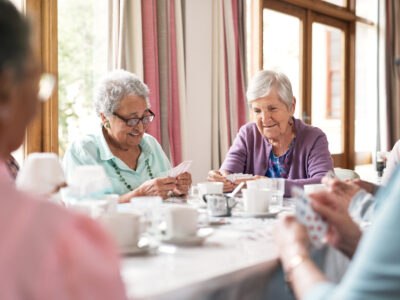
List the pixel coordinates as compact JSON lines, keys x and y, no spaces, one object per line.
{"x":233,"y":263}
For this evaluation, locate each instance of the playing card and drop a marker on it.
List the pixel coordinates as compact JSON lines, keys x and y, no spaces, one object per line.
{"x":180,"y":169}
{"x":238,"y":176}
{"x":316,"y":227}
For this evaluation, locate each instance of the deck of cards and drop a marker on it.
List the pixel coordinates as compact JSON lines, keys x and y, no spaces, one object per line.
{"x":180,"y":169}
{"x":305,"y":215}
{"x":238,"y":176}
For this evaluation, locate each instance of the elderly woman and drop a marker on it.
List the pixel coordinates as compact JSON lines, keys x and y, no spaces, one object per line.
{"x":133,"y":160}
{"x":276,"y":145}
{"x":46,"y":252}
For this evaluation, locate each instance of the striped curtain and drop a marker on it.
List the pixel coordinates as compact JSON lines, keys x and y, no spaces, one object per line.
{"x":148,"y":37}
{"x":392,"y":42}
{"x":229,"y":109}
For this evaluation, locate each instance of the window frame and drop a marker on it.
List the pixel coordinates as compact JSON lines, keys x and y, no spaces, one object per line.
{"x":344,"y":18}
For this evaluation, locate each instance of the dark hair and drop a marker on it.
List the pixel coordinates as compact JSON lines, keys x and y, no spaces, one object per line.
{"x":14,"y":38}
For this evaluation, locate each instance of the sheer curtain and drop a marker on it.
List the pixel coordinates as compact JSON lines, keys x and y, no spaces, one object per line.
{"x":229,"y":109}
{"x":155,"y":39}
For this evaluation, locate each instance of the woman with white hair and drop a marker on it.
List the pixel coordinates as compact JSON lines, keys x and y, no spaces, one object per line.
{"x":276,"y":145}
{"x":133,"y":160}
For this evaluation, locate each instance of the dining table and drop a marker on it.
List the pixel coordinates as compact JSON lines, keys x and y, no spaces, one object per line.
{"x":234,"y":261}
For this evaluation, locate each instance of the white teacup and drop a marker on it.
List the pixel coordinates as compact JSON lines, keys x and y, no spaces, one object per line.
{"x":123,"y":227}
{"x":88,"y":181}
{"x":112,"y":202}
{"x":312,"y":188}
{"x":181,"y":222}
{"x":204,"y":188}
{"x":256,"y":200}
{"x":41,"y":173}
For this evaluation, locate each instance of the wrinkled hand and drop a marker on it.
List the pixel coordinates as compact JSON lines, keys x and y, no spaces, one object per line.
{"x":342,"y":232}
{"x":291,"y":238}
{"x":157,"y":187}
{"x":215,"y":175}
{"x":365,"y":185}
{"x":183,"y":183}
{"x":345,"y":191}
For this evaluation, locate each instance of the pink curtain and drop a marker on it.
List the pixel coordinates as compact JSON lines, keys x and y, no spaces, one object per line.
{"x":150,"y":63}
{"x":161,"y":74}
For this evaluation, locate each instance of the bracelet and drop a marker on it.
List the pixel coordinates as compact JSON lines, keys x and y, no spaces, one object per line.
{"x":294,"y":262}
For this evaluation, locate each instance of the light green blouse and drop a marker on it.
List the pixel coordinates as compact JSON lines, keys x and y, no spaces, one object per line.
{"x":93,"y":150}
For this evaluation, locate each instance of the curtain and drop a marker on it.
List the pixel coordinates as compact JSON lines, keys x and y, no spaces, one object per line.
{"x":392,"y":42}
{"x":125,"y":50}
{"x":149,"y":37}
{"x":229,"y":109}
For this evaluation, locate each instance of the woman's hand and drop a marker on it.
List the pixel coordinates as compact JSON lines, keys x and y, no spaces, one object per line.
{"x":215,"y":175}
{"x":365,"y":185}
{"x":345,"y":191}
{"x":157,"y":187}
{"x":183,"y":183}
{"x":342,"y":233}
{"x":291,"y":239}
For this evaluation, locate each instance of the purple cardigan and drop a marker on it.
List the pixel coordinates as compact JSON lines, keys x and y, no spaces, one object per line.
{"x":308,"y":161}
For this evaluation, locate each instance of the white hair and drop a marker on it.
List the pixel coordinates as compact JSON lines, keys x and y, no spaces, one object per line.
{"x":113,"y":87}
{"x":261,"y":84}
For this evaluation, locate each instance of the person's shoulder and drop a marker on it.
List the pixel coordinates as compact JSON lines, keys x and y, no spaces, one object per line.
{"x":87,"y":144}
{"x":307,"y":131}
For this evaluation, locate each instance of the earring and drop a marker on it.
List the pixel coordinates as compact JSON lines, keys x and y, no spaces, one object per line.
{"x":107,"y":125}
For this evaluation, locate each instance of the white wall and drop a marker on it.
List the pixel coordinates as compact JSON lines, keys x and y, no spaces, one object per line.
{"x":197,"y":134}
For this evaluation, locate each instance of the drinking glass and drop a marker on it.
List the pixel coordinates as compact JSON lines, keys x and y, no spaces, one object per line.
{"x":278,"y":190}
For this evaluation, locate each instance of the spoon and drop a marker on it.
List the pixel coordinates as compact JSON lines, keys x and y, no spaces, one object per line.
{"x":236,"y":190}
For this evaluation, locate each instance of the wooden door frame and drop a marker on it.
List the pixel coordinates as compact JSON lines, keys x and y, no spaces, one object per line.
{"x":42,"y":133}
{"x":343,"y":18}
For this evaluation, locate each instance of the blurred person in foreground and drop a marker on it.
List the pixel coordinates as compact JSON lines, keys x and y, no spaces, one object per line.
{"x":276,"y":145}
{"x":375,"y":269}
{"x":133,"y":160}
{"x":46,"y":252}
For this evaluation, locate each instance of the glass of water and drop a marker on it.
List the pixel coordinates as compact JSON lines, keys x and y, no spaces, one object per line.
{"x":278,"y":190}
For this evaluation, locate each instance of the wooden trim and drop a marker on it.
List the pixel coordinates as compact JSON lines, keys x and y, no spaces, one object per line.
{"x":325,"y":8}
{"x":350,"y":70}
{"x":42,"y":134}
{"x":307,"y":67}
{"x":339,"y":160}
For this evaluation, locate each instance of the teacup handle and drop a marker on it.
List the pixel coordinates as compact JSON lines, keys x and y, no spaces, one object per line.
{"x":232,"y":206}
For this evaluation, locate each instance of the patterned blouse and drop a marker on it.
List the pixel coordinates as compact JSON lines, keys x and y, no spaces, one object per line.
{"x":278,"y":167}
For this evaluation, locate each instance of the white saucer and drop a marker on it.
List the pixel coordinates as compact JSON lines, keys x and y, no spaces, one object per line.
{"x":189,"y":241}
{"x":245,"y":214}
{"x":141,"y":249}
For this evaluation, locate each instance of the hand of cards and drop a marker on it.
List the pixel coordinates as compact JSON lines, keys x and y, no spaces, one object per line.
{"x":305,"y":215}
{"x":238,"y":176}
{"x":180,"y":169}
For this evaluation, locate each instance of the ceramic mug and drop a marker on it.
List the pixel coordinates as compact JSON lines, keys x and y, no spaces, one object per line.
{"x":256,"y":200}
{"x":181,"y":222}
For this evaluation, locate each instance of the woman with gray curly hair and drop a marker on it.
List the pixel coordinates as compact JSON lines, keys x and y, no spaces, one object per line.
{"x":276,"y":145}
{"x":133,"y":160}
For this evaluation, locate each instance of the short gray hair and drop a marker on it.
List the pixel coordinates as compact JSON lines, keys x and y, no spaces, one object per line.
{"x":113,"y":87}
{"x":262,"y":83}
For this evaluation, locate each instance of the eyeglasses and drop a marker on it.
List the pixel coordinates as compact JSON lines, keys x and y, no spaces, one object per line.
{"x":135,"y":121}
{"x":46,"y":86}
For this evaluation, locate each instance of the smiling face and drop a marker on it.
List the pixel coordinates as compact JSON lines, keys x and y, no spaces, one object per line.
{"x":272,"y":116}
{"x":131,"y":106}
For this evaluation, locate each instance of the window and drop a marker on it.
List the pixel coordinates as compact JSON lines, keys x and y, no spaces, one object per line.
{"x":82,"y":59}
{"x":313,"y":42}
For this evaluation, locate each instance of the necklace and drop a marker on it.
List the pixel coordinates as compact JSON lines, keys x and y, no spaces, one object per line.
{"x":123,"y":180}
